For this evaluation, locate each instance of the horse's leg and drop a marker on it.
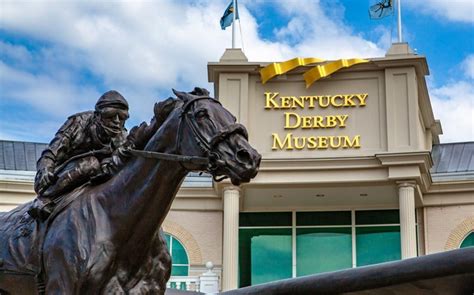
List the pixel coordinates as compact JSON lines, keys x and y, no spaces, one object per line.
{"x":62,"y":270}
{"x":114,"y":287}
{"x":61,"y":279}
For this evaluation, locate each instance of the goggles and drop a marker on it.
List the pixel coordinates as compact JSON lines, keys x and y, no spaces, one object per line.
{"x":108,"y":113}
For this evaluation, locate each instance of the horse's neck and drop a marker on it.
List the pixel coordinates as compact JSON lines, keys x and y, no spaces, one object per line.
{"x":138,"y":198}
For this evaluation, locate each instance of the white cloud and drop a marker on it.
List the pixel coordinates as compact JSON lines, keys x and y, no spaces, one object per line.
{"x":161,"y":44}
{"x":453,"y":104}
{"x":468,"y":66}
{"x":145,"y":48}
{"x":454,"y":10}
{"x":43,"y":91}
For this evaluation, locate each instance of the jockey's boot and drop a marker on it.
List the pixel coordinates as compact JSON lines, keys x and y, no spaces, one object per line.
{"x":41,"y":209}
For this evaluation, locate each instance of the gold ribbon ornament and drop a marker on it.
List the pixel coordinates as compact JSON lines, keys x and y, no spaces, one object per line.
{"x":322,"y":71}
{"x":280,"y":68}
{"x":312,"y":75}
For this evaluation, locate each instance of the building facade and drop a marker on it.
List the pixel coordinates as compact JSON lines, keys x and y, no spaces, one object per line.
{"x":352,"y":174}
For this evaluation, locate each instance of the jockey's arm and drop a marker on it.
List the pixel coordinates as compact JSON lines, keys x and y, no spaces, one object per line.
{"x":53,"y":155}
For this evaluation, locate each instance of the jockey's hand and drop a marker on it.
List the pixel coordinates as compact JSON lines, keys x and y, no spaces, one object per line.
{"x":105,"y":173}
{"x":107,"y":166}
{"x":46,"y":178}
{"x":124,"y":150}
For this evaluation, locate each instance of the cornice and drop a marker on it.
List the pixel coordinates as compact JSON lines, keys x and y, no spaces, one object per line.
{"x":451,"y":187}
{"x":16,"y":186}
{"x":422,"y":159}
{"x":292,"y":164}
{"x":417,"y":61}
{"x":197,"y":193}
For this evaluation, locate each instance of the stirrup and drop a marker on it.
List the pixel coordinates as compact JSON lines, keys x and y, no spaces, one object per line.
{"x":40,"y":214}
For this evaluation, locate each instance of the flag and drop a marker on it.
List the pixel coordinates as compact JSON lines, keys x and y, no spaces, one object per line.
{"x":228,"y":17}
{"x":381,"y":9}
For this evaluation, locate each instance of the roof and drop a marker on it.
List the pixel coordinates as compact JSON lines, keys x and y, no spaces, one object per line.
{"x":19,"y":155}
{"x":18,"y":162}
{"x":453,"y":161}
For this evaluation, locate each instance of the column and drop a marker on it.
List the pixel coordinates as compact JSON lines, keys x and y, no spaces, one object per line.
{"x":406,"y":196}
{"x":231,"y":238}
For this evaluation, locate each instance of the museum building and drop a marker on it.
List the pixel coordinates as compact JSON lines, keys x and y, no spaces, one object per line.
{"x":352,"y":173}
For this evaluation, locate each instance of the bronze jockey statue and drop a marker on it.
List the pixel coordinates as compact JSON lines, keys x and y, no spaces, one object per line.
{"x":89,"y":146}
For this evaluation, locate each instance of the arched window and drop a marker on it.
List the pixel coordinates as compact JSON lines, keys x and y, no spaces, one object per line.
{"x":180,"y":266}
{"x":468,"y":241}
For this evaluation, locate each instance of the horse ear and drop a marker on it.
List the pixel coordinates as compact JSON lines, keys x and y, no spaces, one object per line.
{"x":182,"y":95}
{"x":200,"y":91}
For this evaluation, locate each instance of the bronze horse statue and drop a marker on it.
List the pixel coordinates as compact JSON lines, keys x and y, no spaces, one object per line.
{"x":106,"y":239}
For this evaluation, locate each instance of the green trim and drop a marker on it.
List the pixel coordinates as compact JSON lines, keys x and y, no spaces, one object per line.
{"x":179,"y":256}
{"x":468,"y":241}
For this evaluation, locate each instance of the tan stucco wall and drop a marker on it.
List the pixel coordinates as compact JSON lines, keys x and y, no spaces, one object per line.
{"x":14,"y":193}
{"x":202,"y":230}
{"x":372,"y":132}
{"x":444,"y":224}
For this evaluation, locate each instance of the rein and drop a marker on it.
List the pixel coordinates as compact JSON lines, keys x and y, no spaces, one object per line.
{"x":212,"y":160}
{"x":170,"y":157}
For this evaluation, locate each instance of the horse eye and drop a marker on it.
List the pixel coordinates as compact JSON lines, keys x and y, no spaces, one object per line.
{"x":201,"y":114}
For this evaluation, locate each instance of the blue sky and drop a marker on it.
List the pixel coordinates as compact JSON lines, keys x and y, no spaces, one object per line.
{"x":58,"y":57}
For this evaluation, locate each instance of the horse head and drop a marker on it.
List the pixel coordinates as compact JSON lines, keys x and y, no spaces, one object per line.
{"x":206,"y":129}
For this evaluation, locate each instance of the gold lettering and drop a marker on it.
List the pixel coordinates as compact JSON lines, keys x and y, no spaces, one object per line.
{"x":299,"y":101}
{"x":323,"y":142}
{"x":318,"y":122}
{"x":306,"y":122}
{"x":287,"y":120}
{"x":332,"y":143}
{"x":331,"y":121}
{"x":333,"y":101}
{"x":362,"y":98}
{"x":269,"y":100}
{"x":355,"y":143}
{"x":311,"y":101}
{"x":342,"y":120}
{"x":322,"y":103}
{"x":285,"y":102}
{"x":348,"y":100}
{"x":312,"y":143}
{"x":299,"y":145}
{"x":278,"y":145}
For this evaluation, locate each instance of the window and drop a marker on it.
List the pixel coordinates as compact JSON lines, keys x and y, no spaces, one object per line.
{"x":179,"y":257}
{"x":377,"y":236}
{"x":265,"y":251}
{"x":322,"y":250}
{"x":468,"y":241}
{"x":280,"y":245}
{"x":323,"y":242}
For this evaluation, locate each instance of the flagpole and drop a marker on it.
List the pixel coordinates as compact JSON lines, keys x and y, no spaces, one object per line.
{"x":399,"y":21}
{"x":233,"y":23}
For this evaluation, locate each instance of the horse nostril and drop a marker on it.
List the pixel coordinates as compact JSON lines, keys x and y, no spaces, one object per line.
{"x":243,"y":156}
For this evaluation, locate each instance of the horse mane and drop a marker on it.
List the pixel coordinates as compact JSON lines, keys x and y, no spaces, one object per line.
{"x":140,"y":135}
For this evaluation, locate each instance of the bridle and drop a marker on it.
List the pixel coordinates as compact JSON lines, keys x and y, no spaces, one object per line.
{"x":212,"y":160}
